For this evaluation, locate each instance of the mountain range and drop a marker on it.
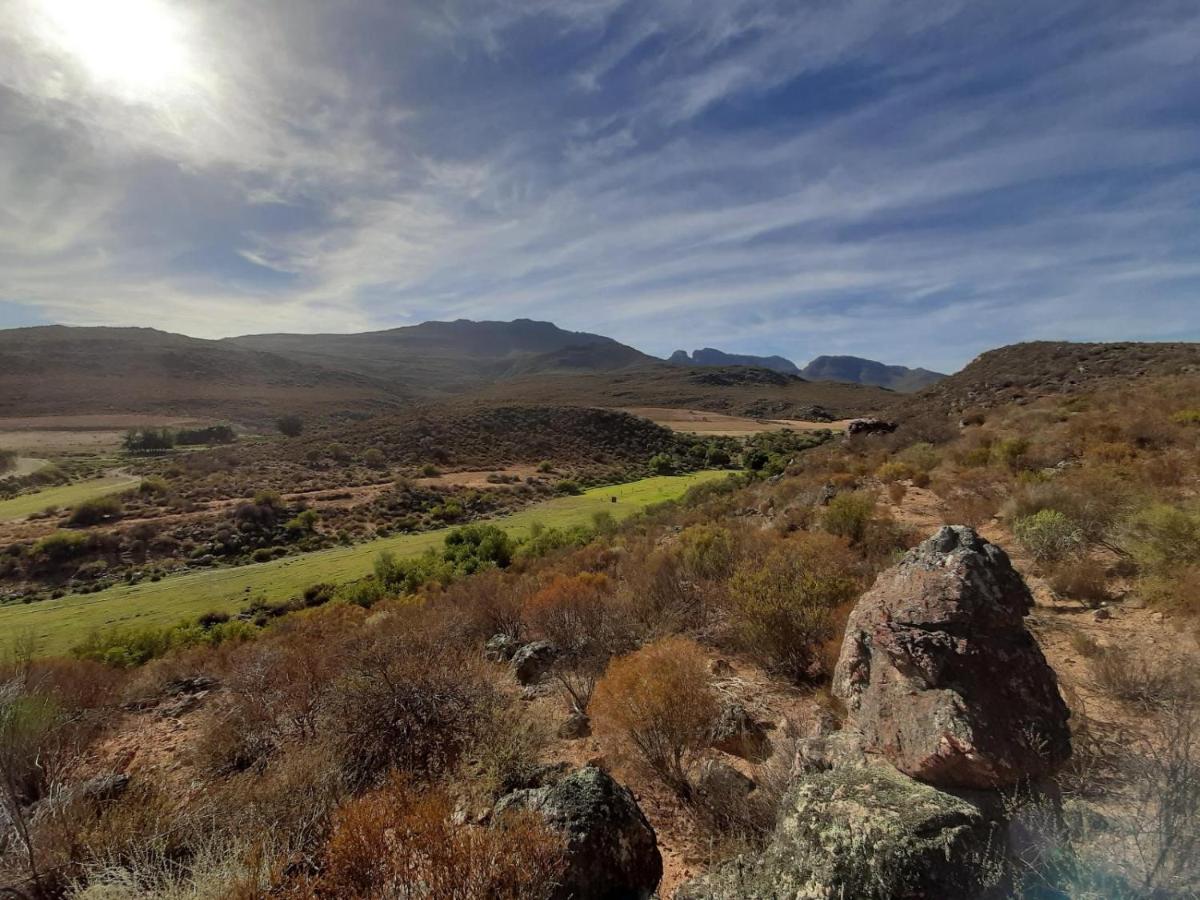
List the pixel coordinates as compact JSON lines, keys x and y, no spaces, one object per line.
{"x":62,"y":370}
{"x":848,"y":369}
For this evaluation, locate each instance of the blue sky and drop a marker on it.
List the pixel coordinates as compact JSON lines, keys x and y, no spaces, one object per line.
{"x":915,"y":182}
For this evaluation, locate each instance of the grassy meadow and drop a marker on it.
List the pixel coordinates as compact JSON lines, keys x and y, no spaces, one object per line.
{"x":59,"y":624}
{"x":66,"y":496}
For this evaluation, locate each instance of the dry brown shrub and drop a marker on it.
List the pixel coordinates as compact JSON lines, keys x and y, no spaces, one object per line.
{"x":577,"y":614}
{"x":399,"y":843}
{"x":490,"y":603}
{"x":660,"y":600}
{"x":1080,"y":579}
{"x":660,"y":702}
{"x":896,"y":491}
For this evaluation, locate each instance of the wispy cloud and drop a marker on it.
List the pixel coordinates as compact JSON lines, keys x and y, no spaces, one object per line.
{"x":914,"y":182}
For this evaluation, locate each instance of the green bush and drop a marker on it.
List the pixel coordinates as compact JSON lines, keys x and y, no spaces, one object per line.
{"x":717,"y":457}
{"x":1162,"y":537}
{"x":782,"y":606}
{"x":154,"y":485}
{"x":662,"y":464}
{"x":374,"y":459}
{"x":1010,"y":452}
{"x":61,"y":546}
{"x":474,"y":547}
{"x":1048,"y":535}
{"x":848,"y":515}
{"x":93,"y":512}
{"x":290,"y":426}
{"x":8,"y":460}
{"x":923,"y":457}
{"x":706,"y":552}
{"x":568,"y":486}
{"x":1187,"y":417}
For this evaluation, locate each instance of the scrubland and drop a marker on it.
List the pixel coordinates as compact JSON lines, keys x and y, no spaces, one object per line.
{"x":353,"y":742}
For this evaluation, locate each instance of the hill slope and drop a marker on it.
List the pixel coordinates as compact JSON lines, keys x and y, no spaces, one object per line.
{"x":856,"y":370}
{"x":452,"y":356}
{"x":1021,"y":372}
{"x":53,"y":370}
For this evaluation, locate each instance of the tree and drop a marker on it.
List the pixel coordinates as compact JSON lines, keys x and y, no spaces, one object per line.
{"x":290,"y":426}
{"x":662,"y":464}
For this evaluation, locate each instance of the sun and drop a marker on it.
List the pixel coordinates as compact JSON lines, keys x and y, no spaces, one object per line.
{"x":135,"y":49}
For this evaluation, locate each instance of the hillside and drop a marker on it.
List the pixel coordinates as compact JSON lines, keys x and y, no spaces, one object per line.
{"x":711,"y":357}
{"x":451,"y":356}
{"x":1023,"y":372}
{"x":856,"y":370}
{"x":55,"y":370}
{"x":736,"y":390}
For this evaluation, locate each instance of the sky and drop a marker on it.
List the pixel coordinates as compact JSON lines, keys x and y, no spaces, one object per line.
{"x":914,"y":182}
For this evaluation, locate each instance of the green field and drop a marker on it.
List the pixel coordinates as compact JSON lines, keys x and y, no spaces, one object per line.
{"x":59,"y":624}
{"x":66,"y":496}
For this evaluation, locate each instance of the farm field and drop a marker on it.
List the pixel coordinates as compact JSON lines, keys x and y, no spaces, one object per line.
{"x":698,"y":421}
{"x":65,"y":496}
{"x":59,"y":624}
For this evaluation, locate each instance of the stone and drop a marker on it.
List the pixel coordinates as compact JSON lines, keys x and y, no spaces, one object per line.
{"x":611,"y":849}
{"x":1102,"y":615}
{"x":577,"y":726}
{"x":720,"y":781}
{"x":940,"y":676}
{"x":720,"y":668}
{"x":500,"y":648}
{"x":867,"y":833}
{"x":532,"y":661}
{"x":104,"y":788}
{"x":869,"y":426}
{"x":738,"y":734}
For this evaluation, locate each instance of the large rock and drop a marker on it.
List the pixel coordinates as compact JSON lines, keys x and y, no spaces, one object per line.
{"x":941,"y":677}
{"x":612,"y":852}
{"x":864,"y":833}
{"x":533,"y":661}
{"x":737,"y":732}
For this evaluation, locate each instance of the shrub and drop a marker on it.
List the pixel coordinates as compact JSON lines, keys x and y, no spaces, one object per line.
{"x":921,"y":456}
{"x":717,"y":457}
{"x":290,"y":426}
{"x":895,"y":471}
{"x":1080,"y":579}
{"x":1010,"y":452}
{"x":545,"y":467}
{"x":568,"y":486}
{"x":662,"y":464}
{"x":400,"y":835}
{"x":660,"y":700}
{"x":154,"y":485}
{"x":1186,"y":417}
{"x":8,"y":461}
{"x":783,"y":605}
{"x":429,"y":470}
{"x":95,"y":511}
{"x":305,"y":522}
{"x":409,"y":574}
{"x":1162,"y":537}
{"x":573,"y":612}
{"x":60,"y":547}
{"x":339,"y":453}
{"x":1048,"y":536}
{"x":374,"y":459}
{"x":707,"y":552}
{"x":474,"y":547}
{"x":848,"y":515}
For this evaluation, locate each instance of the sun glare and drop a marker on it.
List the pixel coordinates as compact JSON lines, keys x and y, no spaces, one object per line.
{"x":135,"y":49}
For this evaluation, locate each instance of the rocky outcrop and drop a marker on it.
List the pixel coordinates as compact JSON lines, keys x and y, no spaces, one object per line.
{"x":612,"y":852}
{"x":737,"y":733}
{"x":940,"y":675}
{"x":864,"y":833}
{"x":533,"y":661}
{"x":500,"y":648}
{"x":869,"y":426}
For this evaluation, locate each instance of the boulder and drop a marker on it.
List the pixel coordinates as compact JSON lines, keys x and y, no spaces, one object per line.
{"x":940,"y":676}
{"x":104,"y":788}
{"x":612,"y":851}
{"x":576,"y":726}
{"x":533,"y":661}
{"x":737,"y":732}
{"x":721,"y":781}
{"x":864,"y":833}
{"x":869,"y":426}
{"x":500,"y":648}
